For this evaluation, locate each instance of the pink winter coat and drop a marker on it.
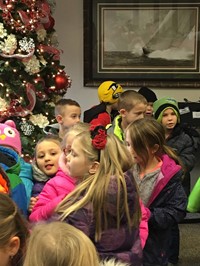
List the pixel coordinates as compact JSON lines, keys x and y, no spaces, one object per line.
{"x":52,"y":194}
{"x":144,"y":230}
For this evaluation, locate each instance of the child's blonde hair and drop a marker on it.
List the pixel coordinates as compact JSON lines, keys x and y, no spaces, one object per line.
{"x":115,"y":159}
{"x":129,"y":98}
{"x":75,"y":130}
{"x":12,"y":224}
{"x":145,"y":133}
{"x":59,"y":243}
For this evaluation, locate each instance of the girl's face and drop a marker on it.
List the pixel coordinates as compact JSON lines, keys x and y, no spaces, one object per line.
{"x":129,"y":145}
{"x":47,"y":156}
{"x":77,"y":163}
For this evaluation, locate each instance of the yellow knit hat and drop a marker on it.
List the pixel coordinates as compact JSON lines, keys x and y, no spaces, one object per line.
{"x":108,"y":92}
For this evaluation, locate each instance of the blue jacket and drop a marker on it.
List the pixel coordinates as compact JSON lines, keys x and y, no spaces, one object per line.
{"x":10,"y":162}
{"x":26,"y":175}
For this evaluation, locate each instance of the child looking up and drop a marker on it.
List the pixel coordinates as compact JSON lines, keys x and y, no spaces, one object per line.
{"x":61,"y":184}
{"x":131,"y":106}
{"x":67,"y":113}
{"x":13,"y":233}
{"x":45,"y":165}
{"x":158,"y":174}
{"x":105,"y":203}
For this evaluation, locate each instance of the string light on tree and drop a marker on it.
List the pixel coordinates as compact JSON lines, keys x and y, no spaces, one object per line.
{"x":31,"y":73}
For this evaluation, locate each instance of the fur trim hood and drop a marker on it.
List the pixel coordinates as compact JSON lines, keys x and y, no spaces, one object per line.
{"x":113,"y":262}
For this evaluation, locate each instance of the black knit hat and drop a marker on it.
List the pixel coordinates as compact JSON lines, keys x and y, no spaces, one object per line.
{"x":148,"y":94}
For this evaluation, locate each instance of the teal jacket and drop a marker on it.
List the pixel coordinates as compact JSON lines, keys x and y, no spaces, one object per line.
{"x":26,"y":175}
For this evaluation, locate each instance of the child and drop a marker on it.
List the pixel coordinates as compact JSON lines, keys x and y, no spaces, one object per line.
{"x":67,"y":113}
{"x":105,"y":203}
{"x":131,"y":106}
{"x":61,"y":184}
{"x":45,"y":166}
{"x":13,"y":233}
{"x":179,"y":138}
{"x":58,"y":243}
{"x":10,"y":161}
{"x":158,"y":176}
{"x":101,"y":114}
{"x":151,"y":97}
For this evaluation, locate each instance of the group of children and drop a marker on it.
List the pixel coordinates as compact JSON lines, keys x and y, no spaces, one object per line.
{"x":110,"y":189}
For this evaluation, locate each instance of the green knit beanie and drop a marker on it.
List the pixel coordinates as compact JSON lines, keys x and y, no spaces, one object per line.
{"x":162,"y":104}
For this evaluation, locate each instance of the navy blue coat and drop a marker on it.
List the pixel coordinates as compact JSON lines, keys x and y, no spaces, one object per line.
{"x":167,"y":206}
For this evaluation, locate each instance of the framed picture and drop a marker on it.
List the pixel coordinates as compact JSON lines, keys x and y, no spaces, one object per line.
{"x":142,"y":43}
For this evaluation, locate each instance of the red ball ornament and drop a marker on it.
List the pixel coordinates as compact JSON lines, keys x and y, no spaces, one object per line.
{"x":61,"y":82}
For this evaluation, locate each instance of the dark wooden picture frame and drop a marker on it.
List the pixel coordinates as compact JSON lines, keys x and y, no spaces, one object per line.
{"x":139,"y":43}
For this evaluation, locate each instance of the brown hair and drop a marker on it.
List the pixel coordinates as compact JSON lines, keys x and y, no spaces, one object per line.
{"x":129,"y":98}
{"x":63,"y":102}
{"x":144,"y":134}
{"x":12,"y":224}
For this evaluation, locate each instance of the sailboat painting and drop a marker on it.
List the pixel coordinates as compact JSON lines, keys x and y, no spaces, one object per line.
{"x":173,"y":41}
{"x":148,"y":39}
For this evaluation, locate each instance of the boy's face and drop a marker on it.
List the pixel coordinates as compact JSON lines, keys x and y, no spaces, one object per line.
{"x":149,"y":110}
{"x":71,"y":115}
{"x":169,"y":119}
{"x":137,"y":112}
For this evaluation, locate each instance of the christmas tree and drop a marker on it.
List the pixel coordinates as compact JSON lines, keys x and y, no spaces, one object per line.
{"x":31,"y":77}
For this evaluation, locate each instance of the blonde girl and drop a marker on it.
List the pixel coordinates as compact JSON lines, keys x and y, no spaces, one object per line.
{"x":105,"y":204}
{"x":157,"y":171}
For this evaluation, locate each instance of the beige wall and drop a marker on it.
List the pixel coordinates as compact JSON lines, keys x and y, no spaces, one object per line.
{"x":69,"y":27}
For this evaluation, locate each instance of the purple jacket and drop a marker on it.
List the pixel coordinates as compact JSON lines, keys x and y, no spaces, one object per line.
{"x":53,"y":192}
{"x":121,"y":243}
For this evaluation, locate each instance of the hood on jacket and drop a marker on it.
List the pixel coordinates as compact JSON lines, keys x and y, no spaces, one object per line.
{"x":51,"y":129}
{"x":9,"y":159}
{"x":93,"y":112}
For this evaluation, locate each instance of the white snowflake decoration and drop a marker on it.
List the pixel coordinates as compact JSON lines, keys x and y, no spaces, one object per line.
{"x":27,"y":45}
{"x":39,"y":120}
